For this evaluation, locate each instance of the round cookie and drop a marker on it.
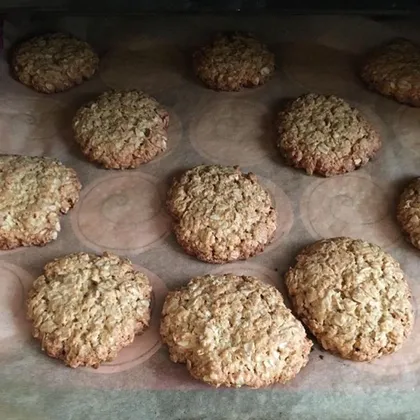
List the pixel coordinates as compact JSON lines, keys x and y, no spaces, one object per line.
{"x":221,"y":214}
{"x":34,"y":191}
{"x":54,"y":62}
{"x":233,"y":61}
{"x":353,"y":296}
{"x":325,"y":135}
{"x":85,"y":308}
{"x":234,"y":331}
{"x":393,"y":70}
{"x":408,"y":212}
{"x":121,"y":129}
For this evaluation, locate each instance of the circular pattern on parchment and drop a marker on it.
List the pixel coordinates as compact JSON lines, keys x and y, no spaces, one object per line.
{"x":284,"y":209}
{"x":174,"y":136}
{"x":341,"y":34}
{"x":31,"y":125}
{"x":233,"y":132}
{"x":405,"y":360}
{"x":351,"y":205}
{"x":407,"y":128}
{"x":146,"y":344}
{"x":122,"y":213}
{"x":319,"y":68}
{"x":14,"y":285}
{"x":151,"y":70}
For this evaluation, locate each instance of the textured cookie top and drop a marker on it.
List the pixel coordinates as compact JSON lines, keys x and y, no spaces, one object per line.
{"x":353,"y":296}
{"x":393,"y":69}
{"x":85,"y":307}
{"x":233,"y":331}
{"x":54,"y":62}
{"x":325,"y":135}
{"x":233,"y":61}
{"x":408,"y":211}
{"x":121,"y":129}
{"x":34,"y":191}
{"x":221,"y":214}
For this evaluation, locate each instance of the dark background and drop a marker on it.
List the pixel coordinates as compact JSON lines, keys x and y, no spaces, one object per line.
{"x":385,"y":7}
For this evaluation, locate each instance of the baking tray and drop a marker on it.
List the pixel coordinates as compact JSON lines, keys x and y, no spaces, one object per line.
{"x":123,"y":212}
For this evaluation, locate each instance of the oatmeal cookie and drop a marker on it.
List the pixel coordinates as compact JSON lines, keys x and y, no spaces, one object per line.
{"x":408,"y":212}
{"x":54,"y":62}
{"x":325,"y":135}
{"x":234,"y":331}
{"x":121,"y":129}
{"x":233,"y":61}
{"x":85,"y":308}
{"x":34,"y":191}
{"x":353,"y":296}
{"x":393,"y":70}
{"x":221,"y":214}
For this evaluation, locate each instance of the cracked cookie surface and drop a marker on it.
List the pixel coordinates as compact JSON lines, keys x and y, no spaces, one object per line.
{"x":408,"y":212}
{"x":234,"y":331}
{"x":221,"y":214}
{"x":393,"y":70}
{"x":34,"y":191}
{"x":85,"y":307}
{"x":54,"y":62}
{"x":353,"y":296}
{"x":325,"y":135}
{"x":233,"y":61}
{"x":122,"y":129}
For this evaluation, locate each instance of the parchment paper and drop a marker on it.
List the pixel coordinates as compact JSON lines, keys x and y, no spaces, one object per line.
{"x":123,"y":212}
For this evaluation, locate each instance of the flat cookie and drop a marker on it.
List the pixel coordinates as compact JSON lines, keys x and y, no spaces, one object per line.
{"x":408,"y":212}
{"x":393,"y":70}
{"x":234,"y":331}
{"x":54,"y":62}
{"x":121,"y":129}
{"x":233,"y":61}
{"x":221,"y":214}
{"x":325,"y":135}
{"x":85,"y":308}
{"x":353,"y":296}
{"x":34,"y":191}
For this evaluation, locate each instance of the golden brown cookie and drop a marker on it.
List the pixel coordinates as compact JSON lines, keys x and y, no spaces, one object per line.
{"x":221,"y":214}
{"x":34,"y":191}
{"x":353,"y":296}
{"x":121,"y":129}
{"x":408,"y":212}
{"x":234,"y":331}
{"x":393,"y":70}
{"x":54,"y":62}
{"x":325,"y":135}
{"x":233,"y":61}
{"x":85,"y":308}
